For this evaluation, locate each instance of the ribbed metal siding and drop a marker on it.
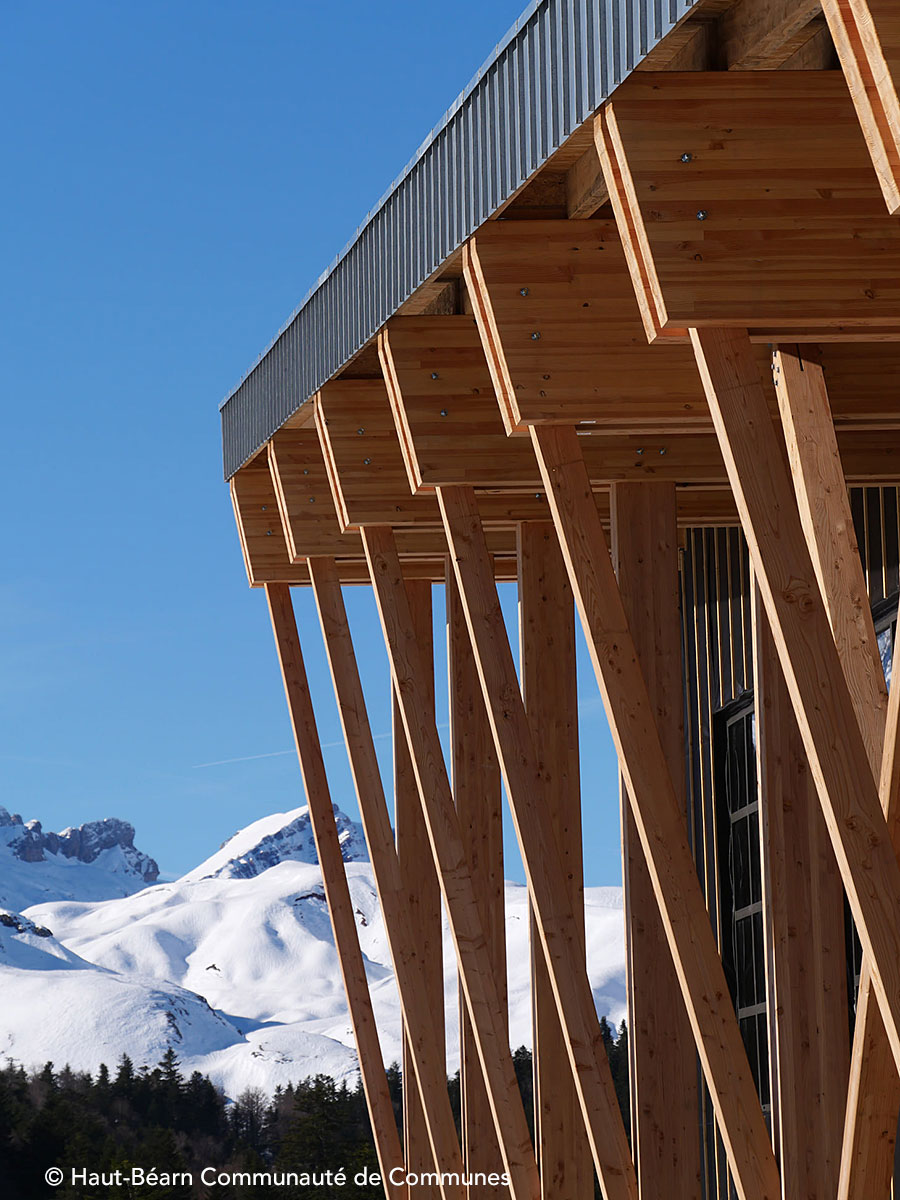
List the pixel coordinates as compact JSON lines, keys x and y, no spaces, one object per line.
{"x":554,"y":70}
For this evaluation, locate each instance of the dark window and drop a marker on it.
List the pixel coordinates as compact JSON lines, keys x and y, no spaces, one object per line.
{"x":740,"y":881}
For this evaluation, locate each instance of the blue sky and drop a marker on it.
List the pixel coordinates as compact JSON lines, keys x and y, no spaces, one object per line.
{"x":176,"y":177}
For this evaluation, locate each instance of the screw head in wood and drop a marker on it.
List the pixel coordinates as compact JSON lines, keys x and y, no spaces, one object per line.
{"x":306,"y":470}
{"x":663,"y":450}
{"x":360,"y":431}
{"x":434,"y":375}
{"x":640,"y":450}
{"x":366,"y":462}
{"x":536,"y":337}
{"x":444,"y":412}
{"x":312,"y":499}
{"x":702,"y":214}
{"x":687,"y":157}
{"x":523,"y":291}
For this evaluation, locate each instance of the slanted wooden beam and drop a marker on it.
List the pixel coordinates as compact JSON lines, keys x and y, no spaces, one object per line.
{"x":263,"y":547}
{"x":423,"y":896}
{"x":530,"y":794}
{"x":685,"y":198}
{"x":476,"y":792}
{"x":873,"y":1097}
{"x":549,"y":689}
{"x":821,"y":490}
{"x":586,"y":189}
{"x":423,"y":1031}
{"x":762,"y":35}
{"x":337,"y":891}
{"x":803,"y":910}
{"x":866,"y":35}
{"x":848,"y":794}
{"x":461,"y":899}
{"x":655,"y":807}
{"x":665,"y":1103}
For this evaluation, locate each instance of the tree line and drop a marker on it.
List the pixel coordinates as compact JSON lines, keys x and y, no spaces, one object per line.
{"x":156,"y":1118}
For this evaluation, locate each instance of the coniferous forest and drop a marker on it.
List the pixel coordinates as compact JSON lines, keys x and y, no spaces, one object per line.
{"x":159,"y":1121}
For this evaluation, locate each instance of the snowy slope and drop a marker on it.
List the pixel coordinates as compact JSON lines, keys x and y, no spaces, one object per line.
{"x":254,"y":942}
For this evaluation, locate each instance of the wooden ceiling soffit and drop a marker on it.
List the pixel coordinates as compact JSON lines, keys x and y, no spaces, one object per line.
{"x":561,"y":330}
{"x":265,"y":551}
{"x":747,"y":199}
{"x":305,"y":501}
{"x":866,"y":34}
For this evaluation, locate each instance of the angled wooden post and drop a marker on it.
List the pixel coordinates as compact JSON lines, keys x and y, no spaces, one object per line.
{"x":424,"y":899}
{"x":530,"y":804}
{"x":873,"y":1105}
{"x":448,"y":850}
{"x":337,"y":891}
{"x":549,"y":688}
{"x":421,"y":1026}
{"x":664,"y":1133}
{"x":656,"y":811}
{"x":866,"y":36}
{"x":761,"y":482}
{"x":476,"y":792}
{"x":803,"y":909}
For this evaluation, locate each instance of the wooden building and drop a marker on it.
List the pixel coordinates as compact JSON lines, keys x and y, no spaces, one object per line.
{"x":627,"y":332}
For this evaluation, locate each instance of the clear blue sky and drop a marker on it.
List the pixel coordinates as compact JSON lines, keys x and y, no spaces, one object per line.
{"x":176,"y":175}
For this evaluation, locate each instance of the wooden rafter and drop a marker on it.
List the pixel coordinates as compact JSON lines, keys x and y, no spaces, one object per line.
{"x":809,"y":658}
{"x":337,"y":892}
{"x":448,"y":849}
{"x":656,"y":811}
{"x":686,"y":195}
{"x":663,"y":1061}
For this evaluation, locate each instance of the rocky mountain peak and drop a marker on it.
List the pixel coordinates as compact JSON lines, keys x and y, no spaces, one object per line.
{"x":83,"y":842}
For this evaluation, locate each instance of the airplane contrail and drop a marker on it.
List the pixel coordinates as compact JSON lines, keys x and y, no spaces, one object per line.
{"x":223,"y":762}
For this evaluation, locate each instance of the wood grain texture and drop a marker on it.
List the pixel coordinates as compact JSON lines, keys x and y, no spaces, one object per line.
{"x":337,"y":892}
{"x":528,"y":791}
{"x":803,"y":912}
{"x":477,"y":795}
{"x":423,"y":896}
{"x":866,"y":35}
{"x":448,"y":849}
{"x":848,"y":793}
{"x":657,"y":816}
{"x":549,"y":689}
{"x":793,"y":234}
{"x":665,"y":1136}
{"x":423,"y":1029}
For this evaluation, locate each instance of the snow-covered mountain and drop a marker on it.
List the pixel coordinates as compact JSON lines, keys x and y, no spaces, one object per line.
{"x":95,"y":861}
{"x":234,"y":965}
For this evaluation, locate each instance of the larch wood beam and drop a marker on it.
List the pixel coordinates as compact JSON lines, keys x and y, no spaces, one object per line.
{"x":422,"y":1028}
{"x":866,"y":35}
{"x":259,"y":527}
{"x":761,"y":35}
{"x":803,"y":908}
{"x":657,"y":817}
{"x":848,"y":794}
{"x":549,"y":689}
{"x":477,"y":795}
{"x":820,"y":486}
{"x":423,"y":896}
{"x":694,"y":161}
{"x":873,"y":1097}
{"x":664,"y":1135}
{"x":448,"y":849}
{"x":590,"y":364}
{"x":337,"y":891}
{"x":586,"y":189}
{"x":529,"y":792}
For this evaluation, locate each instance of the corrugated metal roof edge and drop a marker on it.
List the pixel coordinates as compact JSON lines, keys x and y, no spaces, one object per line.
{"x":389,"y":191}
{"x":627,"y":28}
